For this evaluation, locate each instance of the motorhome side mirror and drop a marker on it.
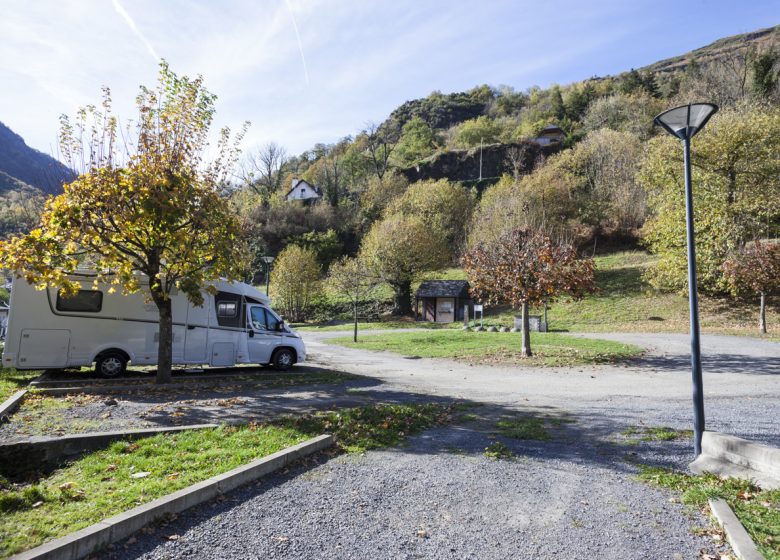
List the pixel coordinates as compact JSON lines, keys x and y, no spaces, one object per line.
{"x":280,"y":326}
{"x":251,"y":333}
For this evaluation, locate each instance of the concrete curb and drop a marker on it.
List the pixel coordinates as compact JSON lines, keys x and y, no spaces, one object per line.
{"x":726,"y":455}
{"x":12,"y":402}
{"x":738,"y":537}
{"x":20,"y":456}
{"x":88,"y":540}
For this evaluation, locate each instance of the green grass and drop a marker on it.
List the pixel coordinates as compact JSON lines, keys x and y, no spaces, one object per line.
{"x":625,"y":302}
{"x":656,"y":433}
{"x":12,"y":380}
{"x":549,"y":348}
{"x":101,"y":484}
{"x":378,"y":325}
{"x":498,"y":450}
{"x":758,"y":511}
{"x":529,"y":427}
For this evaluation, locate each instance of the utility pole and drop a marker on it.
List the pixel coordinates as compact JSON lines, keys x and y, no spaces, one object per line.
{"x":480,"y":159}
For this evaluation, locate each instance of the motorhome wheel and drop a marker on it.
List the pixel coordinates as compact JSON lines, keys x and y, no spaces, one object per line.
{"x":284,"y":359}
{"x":111,"y":364}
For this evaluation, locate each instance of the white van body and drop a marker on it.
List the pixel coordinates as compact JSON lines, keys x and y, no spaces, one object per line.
{"x":235,"y":326}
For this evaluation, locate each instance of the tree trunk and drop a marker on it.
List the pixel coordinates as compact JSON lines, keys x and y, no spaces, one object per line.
{"x":355,"y":317}
{"x":402,"y":301}
{"x":762,"y":314}
{"x":165,"y":337}
{"x":526,"y":332}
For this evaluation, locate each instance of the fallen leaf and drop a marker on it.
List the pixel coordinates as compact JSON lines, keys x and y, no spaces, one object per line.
{"x":67,"y":485}
{"x":173,"y":537}
{"x":37,"y":504}
{"x":140,"y":475}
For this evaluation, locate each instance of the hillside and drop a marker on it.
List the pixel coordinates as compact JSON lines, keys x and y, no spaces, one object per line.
{"x":720,"y":50}
{"x":23,"y":164}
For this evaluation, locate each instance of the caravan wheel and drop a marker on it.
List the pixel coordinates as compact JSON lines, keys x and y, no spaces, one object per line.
{"x":283,"y":359}
{"x":111,"y":364}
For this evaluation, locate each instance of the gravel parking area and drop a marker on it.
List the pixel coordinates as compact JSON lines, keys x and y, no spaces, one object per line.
{"x":440,"y":497}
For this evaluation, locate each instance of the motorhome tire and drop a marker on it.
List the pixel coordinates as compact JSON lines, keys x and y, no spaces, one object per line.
{"x":284,"y":358}
{"x":111,"y":365}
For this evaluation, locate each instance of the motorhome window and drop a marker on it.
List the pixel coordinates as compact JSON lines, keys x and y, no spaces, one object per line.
{"x":227,"y":309}
{"x":83,"y":301}
{"x":258,"y":322}
{"x":272,"y":321}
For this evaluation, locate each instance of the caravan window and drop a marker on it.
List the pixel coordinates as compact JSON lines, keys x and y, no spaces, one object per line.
{"x":84,"y":301}
{"x":227,"y":309}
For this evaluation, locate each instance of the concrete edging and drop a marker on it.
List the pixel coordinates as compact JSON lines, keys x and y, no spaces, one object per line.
{"x":738,"y":537}
{"x":86,"y":541}
{"x":727,"y":455}
{"x":20,"y":456}
{"x":12,"y":402}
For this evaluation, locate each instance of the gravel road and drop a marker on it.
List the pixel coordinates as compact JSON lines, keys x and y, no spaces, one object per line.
{"x":440,"y":497}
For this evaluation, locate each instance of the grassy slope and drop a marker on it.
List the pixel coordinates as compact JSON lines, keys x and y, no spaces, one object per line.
{"x":624,"y":302}
{"x":12,"y":380}
{"x":101,"y":484}
{"x":549,"y":349}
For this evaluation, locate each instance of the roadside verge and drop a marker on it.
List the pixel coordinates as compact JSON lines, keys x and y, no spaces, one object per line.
{"x":92,"y":538}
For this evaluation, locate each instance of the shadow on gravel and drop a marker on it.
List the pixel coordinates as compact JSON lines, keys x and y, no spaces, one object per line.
{"x":731,"y":363}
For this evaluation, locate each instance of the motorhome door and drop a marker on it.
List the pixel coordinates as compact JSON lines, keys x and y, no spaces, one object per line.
{"x":262,"y":336}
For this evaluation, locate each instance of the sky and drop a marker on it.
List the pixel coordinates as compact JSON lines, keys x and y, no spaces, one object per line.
{"x":309,"y":71}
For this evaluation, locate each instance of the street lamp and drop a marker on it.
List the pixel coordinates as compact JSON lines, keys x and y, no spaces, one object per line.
{"x":684,"y":122}
{"x":267,"y":261}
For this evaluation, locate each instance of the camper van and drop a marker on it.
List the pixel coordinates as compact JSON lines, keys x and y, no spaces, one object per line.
{"x":236,"y":325}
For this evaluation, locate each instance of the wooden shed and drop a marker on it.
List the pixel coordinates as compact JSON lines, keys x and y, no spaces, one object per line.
{"x":443,"y":301}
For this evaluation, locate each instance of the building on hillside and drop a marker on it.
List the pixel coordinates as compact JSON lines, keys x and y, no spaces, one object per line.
{"x":443,"y":301}
{"x":550,"y":135}
{"x":303,"y":190}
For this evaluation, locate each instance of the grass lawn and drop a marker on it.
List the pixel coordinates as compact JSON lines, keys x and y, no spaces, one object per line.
{"x":624,"y":302}
{"x":758,"y":511}
{"x":551,"y":349}
{"x":12,"y":380}
{"x":126,"y":474}
{"x":375,"y":326}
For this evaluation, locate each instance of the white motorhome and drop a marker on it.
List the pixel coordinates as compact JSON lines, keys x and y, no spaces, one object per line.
{"x":47,"y":330}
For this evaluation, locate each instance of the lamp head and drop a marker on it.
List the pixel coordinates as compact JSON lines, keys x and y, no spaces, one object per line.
{"x":685,"y":121}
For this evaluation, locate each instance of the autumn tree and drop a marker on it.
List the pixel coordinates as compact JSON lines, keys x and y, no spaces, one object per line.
{"x":524,"y":267}
{"x":444,"y":206}
{"x":736,"y":191}
{"x":398,"y":249}
{"x":379,"y":145}
{"x":352,"y":279}
{"x":295,"y":282}
{"x":417,"y":141}
{"x":755,"y":271}
{"x":159,"y":212}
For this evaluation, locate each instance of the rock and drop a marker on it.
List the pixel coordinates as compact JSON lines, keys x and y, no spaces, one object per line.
{"x":514,"y":329}
{"x":465,"y":328}
{"x":504,"y":329}
{"x":110,"y":402}
{"x":492,"y":329}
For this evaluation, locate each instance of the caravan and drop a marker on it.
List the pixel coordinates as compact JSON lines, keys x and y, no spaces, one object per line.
{"x":236,"y":325}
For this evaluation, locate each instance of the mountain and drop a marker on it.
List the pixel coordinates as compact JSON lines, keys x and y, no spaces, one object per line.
{"x":720,"y":50}
{"x":20,"y":163}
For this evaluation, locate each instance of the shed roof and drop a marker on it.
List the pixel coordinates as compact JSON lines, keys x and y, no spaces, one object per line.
{"x":443,"y":288}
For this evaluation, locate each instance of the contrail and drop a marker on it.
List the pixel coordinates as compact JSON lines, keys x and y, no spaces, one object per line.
{"x":297,"y":36}
{"x":125,"y":16}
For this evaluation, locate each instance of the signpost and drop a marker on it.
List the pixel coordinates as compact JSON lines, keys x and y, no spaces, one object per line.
{"x":478,"y":309}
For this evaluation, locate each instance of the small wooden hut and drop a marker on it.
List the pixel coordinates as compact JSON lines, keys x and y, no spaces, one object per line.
{"x":443,"y":301}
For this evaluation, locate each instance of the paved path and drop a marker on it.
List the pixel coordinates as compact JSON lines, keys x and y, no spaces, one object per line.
{"x":440,"y":497}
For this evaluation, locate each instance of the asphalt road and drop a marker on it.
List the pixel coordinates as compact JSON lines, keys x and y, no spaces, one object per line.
{"x":440,"y":497}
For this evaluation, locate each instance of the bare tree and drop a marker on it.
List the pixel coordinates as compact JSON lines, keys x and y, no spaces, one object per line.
{"x":379,"y":148}
{"x":264,"y":168}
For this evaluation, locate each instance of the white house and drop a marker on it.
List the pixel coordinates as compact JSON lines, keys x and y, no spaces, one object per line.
{"x":303,"y":190}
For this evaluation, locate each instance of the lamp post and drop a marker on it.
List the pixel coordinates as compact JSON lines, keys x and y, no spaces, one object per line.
{"x":684,"y":122}
{"x":267,"y":261}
